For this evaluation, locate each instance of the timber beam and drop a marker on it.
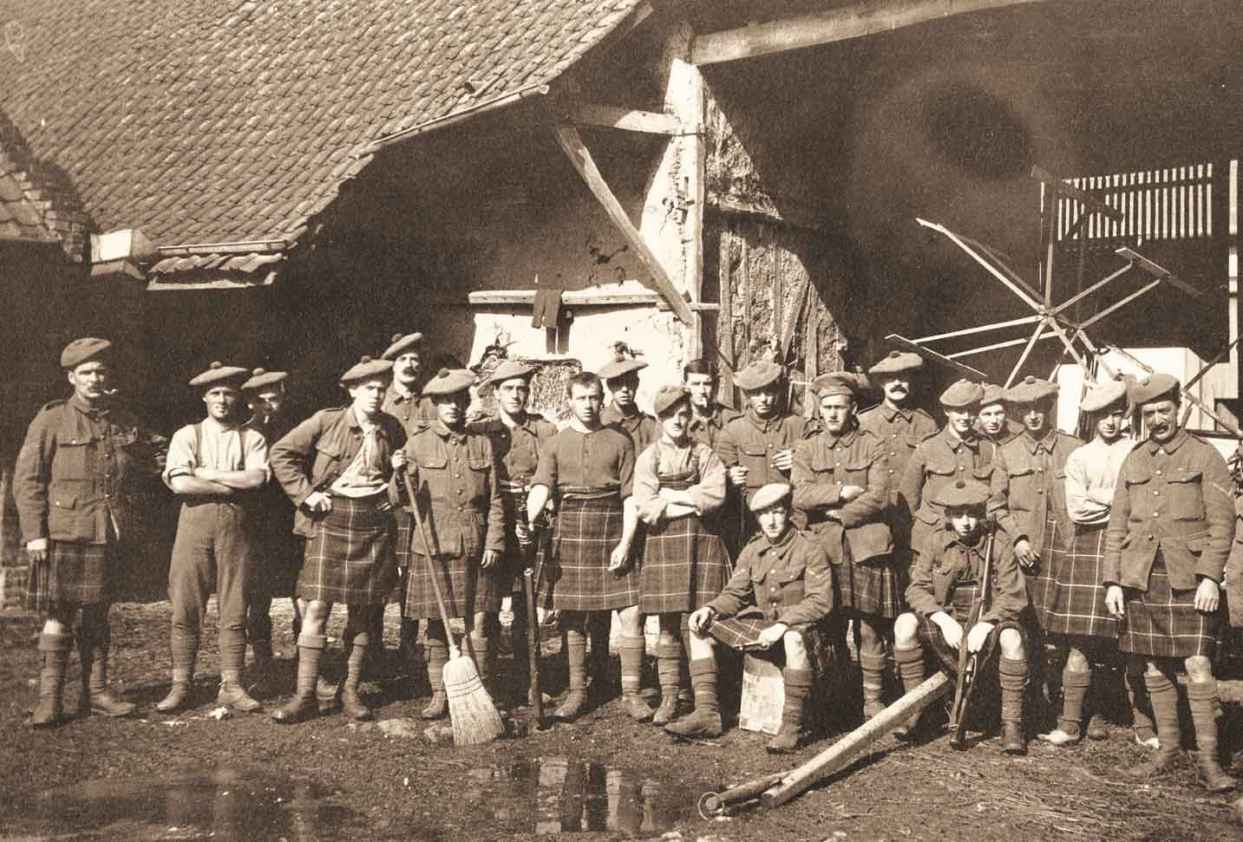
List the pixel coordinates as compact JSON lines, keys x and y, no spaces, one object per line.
{"x":596,"y":116}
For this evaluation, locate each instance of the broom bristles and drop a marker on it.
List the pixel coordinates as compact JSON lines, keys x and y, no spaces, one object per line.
{"x":471,"y":710}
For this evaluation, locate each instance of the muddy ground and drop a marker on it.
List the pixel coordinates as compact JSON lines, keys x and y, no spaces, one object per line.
{"x":192,"y":776}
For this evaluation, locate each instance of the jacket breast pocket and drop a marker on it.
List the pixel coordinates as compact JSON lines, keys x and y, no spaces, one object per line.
{"x":754,"y":457}
{"x":72,"y":460}
{"x":1186,"y":495}
{"x":327,"y":456}
{"x":1022,"y":482}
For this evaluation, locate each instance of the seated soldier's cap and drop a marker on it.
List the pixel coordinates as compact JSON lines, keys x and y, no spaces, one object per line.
{"x":219,"y":374}
{"x":961,"y":394}
{"x":260,"y":377}
{"x":618,"y":368}
{"x":83,"y":350}
{"x":962,"y":494}
{"x":1101,"y":395}
{"x":401,"y":344}
{"x":896,"y":362}
{"x":366,"y":368}
{"x":1031,"y":390}
{"x":508,"y":370}
{"x":768,"y":495}
{"x":1156,"y":386}
{"x":993,"y":394}
{"x":839,"y":383}
{"x":758,"y":374}
{"x":449,"y":381}
{"x":668,"y":397}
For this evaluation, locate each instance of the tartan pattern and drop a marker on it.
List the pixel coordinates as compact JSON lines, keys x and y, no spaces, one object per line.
{"x":685,"y":565}
{"x":1074,"y":598}
{"x":405,"y":537}
{"x":349,"y":555}
{"x":465,"y":587}
{"x":578,"y":577}
{"x":934,"y":641}
{"x":1164,"y":623}
{"x":742,"y":632}
{"x":870,"y":589}
{"x":1041,"y":583}
{"x":73,"y":573}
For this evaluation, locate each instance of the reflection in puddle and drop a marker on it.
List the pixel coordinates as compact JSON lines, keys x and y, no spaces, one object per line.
{"x":556,"y":795}
{"x":219,"y":804}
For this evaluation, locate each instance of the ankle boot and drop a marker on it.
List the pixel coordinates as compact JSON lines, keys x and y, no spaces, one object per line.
{"x":185,"y":649}
{"x":797,"y":688}
{"x":1012,"y":676}
{"x":50,"y":709}
{"x":669,"y":673}
{"x":351,"y":704}
{"x":304,"y":703}
{"x":1069,"y":724}
{"x":631,"y":672}
{"x":232,"y":694}
{"x":576,"y":658}
{"x":1164,"y":697}
{"x":99,"y":698}
{"x":437,"y":652}
{"x":873,"y":669}
{"x":1202,"y":699}
{"x":910,"y":664}
{"x":705,"y":721}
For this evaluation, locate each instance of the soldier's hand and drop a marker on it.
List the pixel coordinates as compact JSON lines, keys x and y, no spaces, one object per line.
{"x":489,"y":560}
{"x":978,"y":636}
{"x":783,"y":460}
{"x":772,"y":635}
{"x":1208,"y":596}
{"x":850,"y":492}
{"x":318,"y":502}
{"x":1115,"y":601}
{"x":1024,"y":554}
{"x":700,"y":619}
{"x":950,"y":629}
{"x":738,"y":475}
{"x":619,"y":557}
{"x":37,"y":550}
{"x":399,"y":460}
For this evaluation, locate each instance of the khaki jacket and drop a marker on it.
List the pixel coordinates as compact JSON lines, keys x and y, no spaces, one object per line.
{"x":939,"y":571}
{"x":1029,"y":484}
{"x":822,"y":466}
{"x":788,"y":582}
{"x":938,"y":461}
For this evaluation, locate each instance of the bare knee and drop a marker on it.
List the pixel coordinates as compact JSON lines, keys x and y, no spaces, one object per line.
{"x":1199,"y":668}
{"x":315,"y":615}
{"x":631,"y":621}
{"x":1076,"y":661}
{"x":795,"y":650}
{"x":905,"y":631}
{"x":1011,"y":643}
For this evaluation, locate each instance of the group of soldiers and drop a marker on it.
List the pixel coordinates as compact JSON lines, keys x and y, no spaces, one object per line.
{"x":762,"y":531}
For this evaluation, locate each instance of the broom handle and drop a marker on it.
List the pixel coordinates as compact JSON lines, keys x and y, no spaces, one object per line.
{"x":427,"y":547}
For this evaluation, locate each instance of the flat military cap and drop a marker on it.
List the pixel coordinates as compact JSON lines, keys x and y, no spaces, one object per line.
{"x":1154,"y":387}
{"x":839,"y":383}
{"x":262,"y":378}
{"x":758,"y":374}
{"x":964,"y":493}
{"x":508,"y":370}
{"x":769,"y":495}
{"x":401,"y":344}
{"x":449,"y":381}
{"x":668,"y":397}
{"x":993,"y":394}
{"x":1101,"y":395}
{"x":219,"y":374}
{"x":961,"y":394}
{"x":1031,"y":390}
{"x":83,"y":350}
{"x":896,"y":362}
{"x":618,"y":368}
{"x":366,"y":368}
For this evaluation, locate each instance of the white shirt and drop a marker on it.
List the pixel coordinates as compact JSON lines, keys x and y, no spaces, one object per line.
{"x":1091,"y":474}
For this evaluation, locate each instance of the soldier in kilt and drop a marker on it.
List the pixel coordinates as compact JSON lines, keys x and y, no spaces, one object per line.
{"x":679,"y":486}
{"x":840,"y":482}
{"x":781,"y":590}
{"x":335,"y":467}
{"x":518,"y":436}
{"x":74,"y":473}
{"x":944,"y":589}
{"x":455,"y":479}
{"x":588,"y":469}
{"x":1169,"y":535}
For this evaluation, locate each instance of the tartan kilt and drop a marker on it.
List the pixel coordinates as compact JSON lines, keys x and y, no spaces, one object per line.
{"x":872,"y":587}
{"x":577,"y":571}
{"x":405,"y":537}
{"x":1164,"y":623}
{"x":741,"y":633}
{"x":685,"y":565}
{"x":962,"y":600}
{"x":73,"y":573}
{"x":1040,"y":583}
{"x":465,"y":587}
{"x":1074,"y":600}
{"x":349,"y":556}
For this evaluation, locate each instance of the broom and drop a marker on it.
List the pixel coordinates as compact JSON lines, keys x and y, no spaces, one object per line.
{"x":471,"y":710}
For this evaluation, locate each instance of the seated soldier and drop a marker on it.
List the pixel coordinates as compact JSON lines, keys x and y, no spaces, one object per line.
{"x":781,"y":587}
{"x":945,"y":585}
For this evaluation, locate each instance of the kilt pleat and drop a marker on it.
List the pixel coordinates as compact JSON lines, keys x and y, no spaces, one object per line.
{"x":405,"y":537}
{"x":1074,"y":599}
{"x":869,"y":588}
{"x":685,"y":565}
{"x":1040,"y":583}
{"x":72,"y":573}
{"x":1164,"y":623}
{"x":465,"y":587}
{"x":742,"y":632}
{"x":577,"y":571}
{"x":349,"y":556}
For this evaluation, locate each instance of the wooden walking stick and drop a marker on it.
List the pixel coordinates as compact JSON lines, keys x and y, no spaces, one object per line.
{"x":530,"y":582}
{"x":471,"y":710}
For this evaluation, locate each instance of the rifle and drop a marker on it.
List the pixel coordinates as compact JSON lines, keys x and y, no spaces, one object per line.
{"x":533,"y":568}
{"x":968,"y":662}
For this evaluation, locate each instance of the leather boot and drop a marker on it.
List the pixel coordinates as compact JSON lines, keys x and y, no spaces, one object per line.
{"x":1202,"y":699}
{"x":669,"y":673}
{"x":1012,"y":676}
{"x":351,"y":704}
{"x":1164,"y":697}
{"x":910,"y":663}
{"x":873,"y":669}
{"x":705,"y":721}
{"x":576,"y":658}
{"x":185,"y":648}
{"x":304,"y":704}
{"x":797,"y":689}
{"x":437,"y":656}
{"x":1069,"y":724}
{"x":94,"y":650}
{"x":631,"y":651}
{"x":50,"y":709}
{"x":232,"y":694}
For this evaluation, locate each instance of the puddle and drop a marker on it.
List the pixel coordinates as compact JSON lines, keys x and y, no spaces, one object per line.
{"x":221,"y":804}
{"x":556,"y":795}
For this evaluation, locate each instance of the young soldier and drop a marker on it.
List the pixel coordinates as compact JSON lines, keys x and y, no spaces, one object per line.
{"x":945,"y":585}
{"x":621,"y":378}
{"x":708,"y":418}
{"x":1166,"y":546}
{"x":335,"y":467}
{"x":840,"y":482}
{"x":454,"y":476}
{"x":590,"y":469}
{"x":679,"y":486}
{"x":780,"y":589}
{"x":518,"y":436}
{"x":71,"y":486}
{"x":993,"y":423}
{"x":215,"y":466}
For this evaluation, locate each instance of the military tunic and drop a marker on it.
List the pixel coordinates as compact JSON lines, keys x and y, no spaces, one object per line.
{"x":708,"y":430}
{"x":937,"y":461}
{"x":901,"y":431}
{"x":642,"y":428}
{"x":752,"y":442}
{"x":408,"y":409}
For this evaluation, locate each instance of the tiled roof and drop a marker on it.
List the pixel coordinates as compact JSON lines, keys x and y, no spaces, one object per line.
{"x":35,"y":203}
{"x":223,"y":121}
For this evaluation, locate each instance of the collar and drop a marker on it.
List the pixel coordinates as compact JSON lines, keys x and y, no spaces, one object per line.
{"x":1045,"y":442}
{"x":763,"y":424}
{"x":956,"y":441}
{"x":86,"y":409}
{"x":441,"y":429}
{"x":713,"y":419}
{"x":511,"y":424}
{"x":579,"y":427}
{"x":1168,"y":446}
{"x":357,"y":424}
{"x":626,"y":416}
{"x":846,"y":439}
{"x":400,"y":393}
{"x":218,"y":426}
{"x":782,"y":545}
{"x":892,"y":412}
